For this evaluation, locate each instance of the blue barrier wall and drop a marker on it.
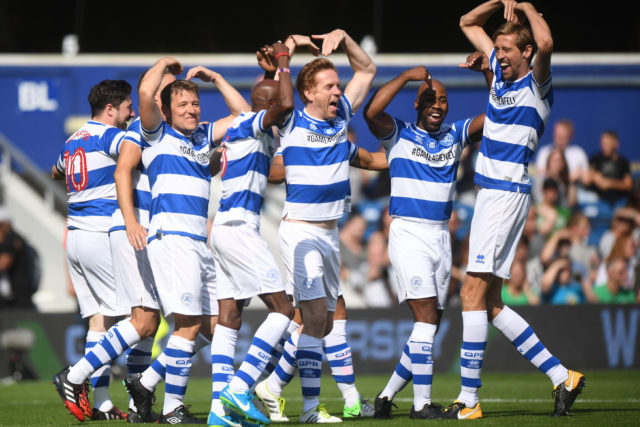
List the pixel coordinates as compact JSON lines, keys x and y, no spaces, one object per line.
{"x":37,"y":100}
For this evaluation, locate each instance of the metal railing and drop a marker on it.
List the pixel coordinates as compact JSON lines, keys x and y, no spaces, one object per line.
{"x":54,"y":196}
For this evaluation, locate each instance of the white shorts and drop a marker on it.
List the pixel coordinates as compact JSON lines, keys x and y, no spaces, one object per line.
{"x":246,"y":261}
{"x":311,"y":256}
{"x":421,"y":258}
{"x":185,"y":275}
{"x":134,"y":279}
{"x":91,"y":271}
{"x":496,"y":227}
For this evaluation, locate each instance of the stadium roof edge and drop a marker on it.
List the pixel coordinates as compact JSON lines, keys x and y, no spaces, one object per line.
{"x":143,"y":60}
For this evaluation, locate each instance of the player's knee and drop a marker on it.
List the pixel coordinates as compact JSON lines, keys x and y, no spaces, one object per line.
{"x":230,"y":320}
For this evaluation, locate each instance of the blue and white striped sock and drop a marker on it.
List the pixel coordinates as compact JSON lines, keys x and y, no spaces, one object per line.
{"x":139,"y":356}
{"x":475,"y":329}
{"x":154,"y":374}
{"x":276,"y":354}
{"x":257,"y":358}
{"x":101,"y":349}
{"x":286,"y":369}
{"x":518,"y":331}
{"x":178,"y":355}
{"x":309,"y":356}
{"x":338,"y":353}
{"x":100,"y":377}
{"x":223,"y":348}
{"x":420,"y":351}
{"x":400,"y":376}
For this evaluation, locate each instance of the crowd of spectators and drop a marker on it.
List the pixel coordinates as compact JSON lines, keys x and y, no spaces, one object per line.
{"x":580,"y":243}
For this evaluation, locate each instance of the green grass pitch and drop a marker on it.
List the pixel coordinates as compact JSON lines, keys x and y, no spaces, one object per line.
{"x":508,"y":399}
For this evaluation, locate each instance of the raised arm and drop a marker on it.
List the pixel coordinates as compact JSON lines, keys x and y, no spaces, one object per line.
{"x":544,"y":41}
{"x":380,"y":123}
{"x":128,"y":160}
{"x":479,"y":62}
{"x":150,"y":114}
{"x":234,"y":100}
{"x":364,"y":70}
{"x":284,"y":101}
{"x":472,"y":23}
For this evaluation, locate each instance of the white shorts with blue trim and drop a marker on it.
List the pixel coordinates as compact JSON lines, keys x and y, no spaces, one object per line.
{"x":498,"y":220}
{"x":185,"y":275}
{"x":91,"y":270}
{"x":246,"y":261}
{"x":311,"y":256}
{"x":420,"y":254}
{"x":135,"y":286}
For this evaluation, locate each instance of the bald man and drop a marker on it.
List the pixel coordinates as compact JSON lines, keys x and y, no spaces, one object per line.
{"x":247,"y":267}
{"x":423,"y":158}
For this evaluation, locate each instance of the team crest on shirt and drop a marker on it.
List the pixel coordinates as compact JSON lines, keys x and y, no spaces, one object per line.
{"x":447,"y":141}
{"x":309,"y":283}
{"x":416,"y":282}
{"x":197,"y":138}
{"x":432,"y":146}
{"x":187,"y":298}
{"x":273,"y":275}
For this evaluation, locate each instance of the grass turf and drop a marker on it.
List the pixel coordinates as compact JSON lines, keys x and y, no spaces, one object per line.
{"x":610,"y":398}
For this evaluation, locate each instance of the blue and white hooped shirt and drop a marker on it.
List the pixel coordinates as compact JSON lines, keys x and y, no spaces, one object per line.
{"x":423,"y":167}
{"x":316,"y":156}
{"x":88,"y":161}
{"x":248,"y":150}
{"x":180,"y":178}
{"x":140,"y":182}
{"x":515,"y":120}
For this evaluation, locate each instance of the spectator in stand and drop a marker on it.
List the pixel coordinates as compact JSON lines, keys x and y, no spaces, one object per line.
{"x":380,"y":290}
{"x":613,"y":292}
{"x":625,"y":222}
{"x":551,"y":215}
{"x":609,"y":174}
{"x":19,"y":274}
{"x":576,"y":157}
{"x":559,"y":286}
{"x":516,"y":291}
{"x":572,"y":242}
{"x":581,"y":252}
{"x":533,"y":266}
{"x":535,"y":240}
{"x":625,"y":248}
{"x":353,"y":252}
{"x":557,"y":168}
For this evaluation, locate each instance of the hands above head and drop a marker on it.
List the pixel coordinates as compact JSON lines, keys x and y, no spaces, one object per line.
{"x":297,"y":40}
{"x":477,"y":61}
{"x":202,"y":73}
{"x":265,"y":59}
{"x":331,"y":41}
{"x":172,"y":65}
{"x":419,"y":74}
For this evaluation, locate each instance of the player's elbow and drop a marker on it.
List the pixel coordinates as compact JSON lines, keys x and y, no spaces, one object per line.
{"x":464,"y":22}
{"x":545,"y":43}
